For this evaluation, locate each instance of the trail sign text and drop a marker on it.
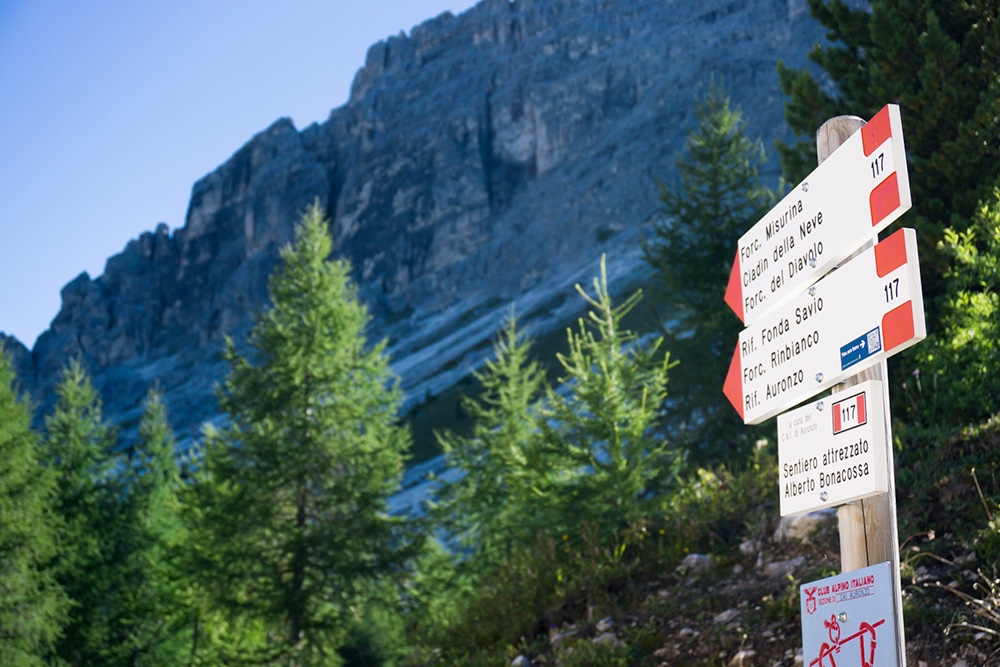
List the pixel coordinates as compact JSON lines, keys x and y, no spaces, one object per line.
{"x":865,"y":311}
{"x":832,"y":451}
{"x":857,"y":192}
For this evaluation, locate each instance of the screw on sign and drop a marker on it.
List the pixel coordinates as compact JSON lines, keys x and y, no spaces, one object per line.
{"x":865,"y":637}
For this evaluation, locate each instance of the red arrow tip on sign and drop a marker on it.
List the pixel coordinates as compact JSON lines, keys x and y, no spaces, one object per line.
{"x":733,"y":388}
{"x":734,"y":290}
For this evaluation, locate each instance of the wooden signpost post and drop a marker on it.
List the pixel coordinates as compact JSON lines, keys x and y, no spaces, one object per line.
{"x":810,"y":330}
{"x":869,"y":530}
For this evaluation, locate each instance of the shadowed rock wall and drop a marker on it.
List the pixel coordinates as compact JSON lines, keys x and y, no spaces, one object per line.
{"x":485,"y":158}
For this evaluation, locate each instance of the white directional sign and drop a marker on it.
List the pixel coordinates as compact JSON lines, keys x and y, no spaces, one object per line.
{"x":832,"y":451}
{"x":868,"y":309}
{"x":848,"y":620}
{"x":857,"y":192}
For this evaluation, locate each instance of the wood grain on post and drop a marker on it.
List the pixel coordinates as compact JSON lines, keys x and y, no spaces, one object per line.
{"x":869,"y":533}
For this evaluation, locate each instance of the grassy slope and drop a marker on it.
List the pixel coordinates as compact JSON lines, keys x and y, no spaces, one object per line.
{"x":644,"y":609}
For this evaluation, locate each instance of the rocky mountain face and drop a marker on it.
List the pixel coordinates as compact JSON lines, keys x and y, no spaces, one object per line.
{"x":484,"y":159}
{"x":20,"y":356}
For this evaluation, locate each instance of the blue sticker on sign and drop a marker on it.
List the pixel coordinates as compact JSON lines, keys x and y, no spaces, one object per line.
{"x":861,"y":348}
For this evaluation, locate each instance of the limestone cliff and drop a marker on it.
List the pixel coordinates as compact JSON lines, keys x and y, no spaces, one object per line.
{"x":20,"y":357}
{"x":485,"y":158}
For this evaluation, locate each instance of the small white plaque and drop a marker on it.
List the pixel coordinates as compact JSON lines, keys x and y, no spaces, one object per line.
{"x":833,"y":451}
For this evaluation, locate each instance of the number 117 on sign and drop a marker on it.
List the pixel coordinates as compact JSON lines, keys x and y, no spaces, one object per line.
{"x":850,"y":413}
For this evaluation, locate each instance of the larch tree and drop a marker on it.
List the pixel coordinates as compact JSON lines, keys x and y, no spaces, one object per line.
{"x":155,"y":622}
{"x":32,"y":604}
{"x":501,"y":468}
{"x":289,"y":513}
{"x":601,"y":422}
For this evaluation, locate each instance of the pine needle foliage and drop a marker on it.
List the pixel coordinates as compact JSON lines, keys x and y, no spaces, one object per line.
{"x":290,"y":509}
{"x":553,"y":486}
{"x":936,"y":59}
{"x":32,"y":604}
{"x":154,"y":618}
{"x":718,"y":196}
{"x":607,"y":457}
{"x":502,"y":466}
{"x":87,"y":500}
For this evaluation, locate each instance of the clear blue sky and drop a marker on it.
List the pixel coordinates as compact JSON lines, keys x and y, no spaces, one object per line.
{"x":111,"y":110}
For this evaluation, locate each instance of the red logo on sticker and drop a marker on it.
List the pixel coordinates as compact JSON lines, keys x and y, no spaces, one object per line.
{"x":810,"y":599}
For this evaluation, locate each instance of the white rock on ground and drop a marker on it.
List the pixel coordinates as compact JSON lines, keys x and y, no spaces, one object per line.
{"x":696,"y":563}
{"x":802,"y":527}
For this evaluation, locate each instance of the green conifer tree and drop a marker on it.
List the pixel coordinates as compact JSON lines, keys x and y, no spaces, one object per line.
{"x":32,"y":604}
{"x":502,"y":467}
{"x":718,"y":197}
{"x":290,"y":518}
{"x":154,"y":622}
{"x":87,"y":500}
{"x":607,"y":458}
{"x":936,"y":59}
